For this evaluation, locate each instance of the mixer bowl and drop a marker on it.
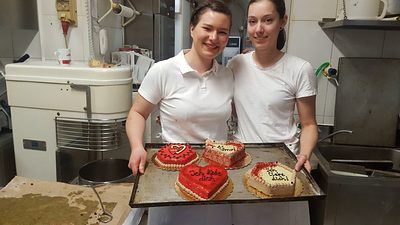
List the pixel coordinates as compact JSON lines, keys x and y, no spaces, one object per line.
{"x":105,"y":171}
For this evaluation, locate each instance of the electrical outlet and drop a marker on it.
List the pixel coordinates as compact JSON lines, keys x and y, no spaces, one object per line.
{"x":66,"y":10}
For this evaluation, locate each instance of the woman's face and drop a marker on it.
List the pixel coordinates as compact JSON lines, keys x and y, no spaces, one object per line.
{"x":264,"y":24}
{"x":210,"y":35}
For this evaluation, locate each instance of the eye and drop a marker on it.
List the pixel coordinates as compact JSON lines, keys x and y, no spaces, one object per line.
{"x":251,"y":21}
{"x":207,"y":28}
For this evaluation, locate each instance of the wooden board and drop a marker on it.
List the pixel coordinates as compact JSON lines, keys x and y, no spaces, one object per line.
{"x":156,"y":187}
{"x":31,"y":201}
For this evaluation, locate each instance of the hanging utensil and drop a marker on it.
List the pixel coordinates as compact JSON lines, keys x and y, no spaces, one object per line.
{"x":105,"y":216}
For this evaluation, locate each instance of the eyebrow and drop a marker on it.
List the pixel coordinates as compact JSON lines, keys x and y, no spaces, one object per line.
{"x":209,"y":25}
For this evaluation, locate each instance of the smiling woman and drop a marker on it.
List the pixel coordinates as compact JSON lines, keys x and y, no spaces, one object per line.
{"x":194,"y":94}
{"x":269,"y":85}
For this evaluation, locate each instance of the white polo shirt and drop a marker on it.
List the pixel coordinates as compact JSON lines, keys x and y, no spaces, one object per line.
{"x":265,"y":98}
{"x":193,"y":107}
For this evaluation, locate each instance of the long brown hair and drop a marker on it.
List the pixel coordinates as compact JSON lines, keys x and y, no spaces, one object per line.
{"x":216,"y":6}
{"x":281,"y":8}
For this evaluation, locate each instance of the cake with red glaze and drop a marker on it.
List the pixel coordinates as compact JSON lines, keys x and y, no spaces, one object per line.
{"x":272,"y":179}
{"x":226,"y":153}
{"x":175,"y":156}
{"x":202,"y":183}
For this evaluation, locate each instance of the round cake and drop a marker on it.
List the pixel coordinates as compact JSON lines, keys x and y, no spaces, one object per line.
{"x":175,"y":156}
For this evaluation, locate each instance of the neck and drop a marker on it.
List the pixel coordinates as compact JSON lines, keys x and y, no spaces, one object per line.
{"x":266,"y":58}
{"x":198,"y":63}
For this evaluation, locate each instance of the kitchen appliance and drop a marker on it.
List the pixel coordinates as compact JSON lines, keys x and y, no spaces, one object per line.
{"x":154,"y":28}
{"x":368,"y":101}
{"x":364,"y":9}
{"x":66,"y":116}
{"x":231,"y":49}
{"x":117,"y":171}
{"x":7,"y":161}
{"x":393,"y":8}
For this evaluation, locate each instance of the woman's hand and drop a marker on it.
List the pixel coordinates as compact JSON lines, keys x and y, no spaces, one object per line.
{"x":137,"y":160}
{"x":302,"y":160}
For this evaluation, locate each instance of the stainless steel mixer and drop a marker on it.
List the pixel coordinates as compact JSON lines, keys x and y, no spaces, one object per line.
{"x":66,"y":116}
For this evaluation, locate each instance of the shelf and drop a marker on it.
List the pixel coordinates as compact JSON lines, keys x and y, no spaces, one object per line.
{"x":328,"y":23}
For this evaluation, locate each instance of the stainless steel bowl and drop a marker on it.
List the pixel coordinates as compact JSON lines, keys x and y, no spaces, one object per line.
{"x":105,"y":171}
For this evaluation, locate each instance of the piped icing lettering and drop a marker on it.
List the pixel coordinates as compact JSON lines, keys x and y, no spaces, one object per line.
{"x":204,"y":182}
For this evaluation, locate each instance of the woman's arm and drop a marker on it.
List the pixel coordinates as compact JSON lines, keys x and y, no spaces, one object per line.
{"x":135,"y":126}
{"x":309,"y":131}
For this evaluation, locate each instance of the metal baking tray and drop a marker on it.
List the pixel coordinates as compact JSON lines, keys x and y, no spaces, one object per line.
{"x":156,"y":187}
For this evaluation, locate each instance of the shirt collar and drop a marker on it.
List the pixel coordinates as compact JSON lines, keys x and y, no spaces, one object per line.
{"x":186,"y":68}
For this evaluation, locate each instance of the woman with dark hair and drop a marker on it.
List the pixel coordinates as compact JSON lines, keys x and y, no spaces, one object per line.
{"x":193,"y":91}
{"x":269,"y":85}
{"x":194,"y":94}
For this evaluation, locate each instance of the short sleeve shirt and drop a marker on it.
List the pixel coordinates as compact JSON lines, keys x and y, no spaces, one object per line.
{"x":193,"y":107}
{"x":265,"y":98}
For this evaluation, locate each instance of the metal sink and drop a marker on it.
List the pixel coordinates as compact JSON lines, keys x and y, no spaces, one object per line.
{"x":362,"y":190}
{"x":372,"y":158}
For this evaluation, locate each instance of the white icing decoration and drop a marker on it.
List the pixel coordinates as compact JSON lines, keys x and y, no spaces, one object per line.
{"x":183,"y":147}
{"x":275,"y":175}
{"x":225,"y":148}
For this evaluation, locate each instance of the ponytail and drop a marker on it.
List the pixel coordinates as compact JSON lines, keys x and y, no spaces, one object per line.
{"x":281,"y":39}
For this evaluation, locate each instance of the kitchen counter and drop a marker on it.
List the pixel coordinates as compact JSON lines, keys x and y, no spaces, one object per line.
{"x":30,"y":201}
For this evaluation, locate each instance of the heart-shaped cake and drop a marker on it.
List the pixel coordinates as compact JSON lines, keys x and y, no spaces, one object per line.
{"x":175,"y":156}
{"x":226,"y":153}
{"x":272,"y":178}
{"x":203,"y":183}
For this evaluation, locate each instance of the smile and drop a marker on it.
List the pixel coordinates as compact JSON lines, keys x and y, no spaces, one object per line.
{"x":211,"y":46}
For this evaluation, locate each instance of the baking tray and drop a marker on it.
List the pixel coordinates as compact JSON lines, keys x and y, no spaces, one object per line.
{"x":156,"y":187}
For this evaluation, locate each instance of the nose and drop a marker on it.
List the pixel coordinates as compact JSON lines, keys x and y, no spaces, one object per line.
{"x":213,"y":35}
{"x":259,"y":28}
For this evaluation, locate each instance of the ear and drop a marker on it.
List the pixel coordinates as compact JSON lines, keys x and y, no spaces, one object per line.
{"x":191,"y":30}
{"x":284,"y":21}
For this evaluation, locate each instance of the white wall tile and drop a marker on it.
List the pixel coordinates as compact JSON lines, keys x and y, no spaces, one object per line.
{"x":54,"y":38}
{"x":47,"y":7}
{"x":329,"y":120}
{"x":320,"y":119}
{"x":51,"y":35}
{"x":6,"y":50}
{"x":308,"y":41}
{"x":313,"y":9}
{"x":330,"y":100}
{"x":391,"y":48}
{"x":321,"y":96}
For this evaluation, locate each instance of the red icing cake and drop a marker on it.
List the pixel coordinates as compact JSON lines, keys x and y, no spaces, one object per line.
{"x":175,"y":156}
{"x":203,"y":183}
{"x":226,"y":153}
